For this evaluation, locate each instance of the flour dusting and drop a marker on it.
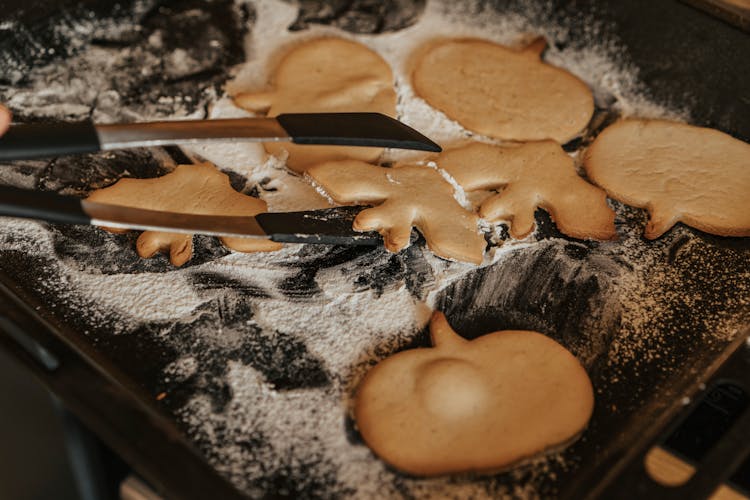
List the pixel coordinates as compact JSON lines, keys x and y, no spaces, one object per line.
{"x":258,"y":355}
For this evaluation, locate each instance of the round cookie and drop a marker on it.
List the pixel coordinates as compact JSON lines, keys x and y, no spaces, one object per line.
{"x":188,"y":189}
{"x":501,"y":92}
{"x":326,"y":75}
{"x":678,"y":172}
{"x":473,"y":406}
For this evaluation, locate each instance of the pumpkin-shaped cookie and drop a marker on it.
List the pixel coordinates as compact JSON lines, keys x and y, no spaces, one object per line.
{"x":502,"y":92}
{"x":476,"y":405}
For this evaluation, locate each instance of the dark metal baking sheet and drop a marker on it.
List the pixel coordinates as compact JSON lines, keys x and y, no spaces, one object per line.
{"x":682,"y":56}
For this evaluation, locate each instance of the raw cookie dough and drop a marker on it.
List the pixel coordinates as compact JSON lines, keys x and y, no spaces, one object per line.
{"x":502,"y":92}
{"x":468,"y":406}
{"x":678,"y":172}
{"x":189,"y":189}
{"x":537,"y":174}
{"x":326,"y":75}
{"x":407,"y":196}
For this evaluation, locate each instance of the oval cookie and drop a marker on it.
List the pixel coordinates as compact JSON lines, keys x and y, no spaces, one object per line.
{"x":327,"y":75}
{"x":473,"y":406}
{"x":678,"y":172}
{"x":501,"y":92}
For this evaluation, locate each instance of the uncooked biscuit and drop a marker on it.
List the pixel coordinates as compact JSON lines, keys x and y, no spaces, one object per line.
{"x":473,"y":406}
{"x":325,"y":75}
{"x":678,"y":172}
{"x":189,"y":189}
{"x":501,"y":92}
{"x":407,"y":196}
{"x":537,"y":174}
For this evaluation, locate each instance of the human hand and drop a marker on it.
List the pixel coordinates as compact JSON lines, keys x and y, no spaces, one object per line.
{"x":4,"y":119}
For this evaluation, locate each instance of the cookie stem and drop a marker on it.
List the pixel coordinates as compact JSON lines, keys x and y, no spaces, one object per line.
{"x":441,"y":332}
{"x":536,"y":47}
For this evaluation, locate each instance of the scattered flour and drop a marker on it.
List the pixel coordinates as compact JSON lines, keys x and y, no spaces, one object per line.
{"x":147,"y":296}
{"x":262,"y":430}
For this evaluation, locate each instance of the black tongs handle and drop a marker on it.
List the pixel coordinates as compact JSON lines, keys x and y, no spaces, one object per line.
{"x":41,"y":205}
{"x":26,"y":141}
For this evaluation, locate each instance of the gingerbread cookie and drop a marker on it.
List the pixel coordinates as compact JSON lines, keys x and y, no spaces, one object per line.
{"x":189,"y":189}
{"x":502,"y":92}
{"x":537,"y":174}
{"x":678,"y":172}
{"x":407,"y":196}
{"x":473,"y":406}
{"x":325,"y":75}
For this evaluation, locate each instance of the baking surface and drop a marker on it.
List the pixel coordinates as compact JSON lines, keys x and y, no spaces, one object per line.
{"x":256,"y":356}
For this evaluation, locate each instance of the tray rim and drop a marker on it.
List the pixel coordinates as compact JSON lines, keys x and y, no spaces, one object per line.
{"x":110,"y":403}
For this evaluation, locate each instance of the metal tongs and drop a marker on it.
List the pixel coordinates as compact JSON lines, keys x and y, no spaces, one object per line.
{"x":334,"y":226}
{"x":41,"y":140}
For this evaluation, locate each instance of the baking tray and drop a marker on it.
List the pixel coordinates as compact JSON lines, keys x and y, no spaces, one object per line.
{"x":114,"y":382}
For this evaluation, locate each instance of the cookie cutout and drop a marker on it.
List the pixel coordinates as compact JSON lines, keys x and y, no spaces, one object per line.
{"x":678,"y":172}
{"x":537,"y":174}
{"x":501,"y":92}
{"x":189,"y":189}
{"x":473,"y":406}
{"x":326,"y":75}
{"x":406,"y":196}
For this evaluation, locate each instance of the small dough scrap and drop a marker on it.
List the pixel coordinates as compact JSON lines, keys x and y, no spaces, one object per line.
{"x":189,"y":189}
{"x":537,"y":174}
{"x":473,"y":406}
{"x":326,"y":75}
{"x":501,"y":92}
{"x":407,"y":196}
{"x":678,"y":172}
